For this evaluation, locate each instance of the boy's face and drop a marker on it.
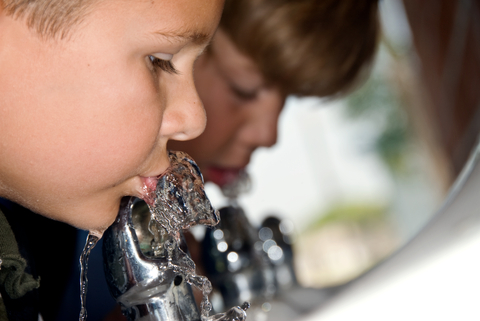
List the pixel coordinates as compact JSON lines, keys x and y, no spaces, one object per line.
{"x":242,"y":111}
{"x":85,"y":121}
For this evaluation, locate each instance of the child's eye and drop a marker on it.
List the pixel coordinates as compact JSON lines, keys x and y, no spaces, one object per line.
{"x":163,"y":64}
{"x":245,"y":95}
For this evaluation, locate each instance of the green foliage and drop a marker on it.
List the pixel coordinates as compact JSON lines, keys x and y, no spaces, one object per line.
{"x":358,"y":213}
{"x":377,"y":104}
{"x":373,"y":97}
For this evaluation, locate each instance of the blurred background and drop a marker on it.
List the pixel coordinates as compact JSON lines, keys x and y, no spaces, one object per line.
{"x":354,"y":179}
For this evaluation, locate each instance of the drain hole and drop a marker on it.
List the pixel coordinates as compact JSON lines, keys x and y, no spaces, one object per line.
{"x":178,"y":280}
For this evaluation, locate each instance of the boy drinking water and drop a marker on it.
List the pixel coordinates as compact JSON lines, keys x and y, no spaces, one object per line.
{"x":90,"y":93}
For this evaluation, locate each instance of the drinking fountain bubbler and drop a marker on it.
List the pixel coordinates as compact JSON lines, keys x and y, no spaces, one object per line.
{"x":139,"y":280}
{"x":147,"y":271}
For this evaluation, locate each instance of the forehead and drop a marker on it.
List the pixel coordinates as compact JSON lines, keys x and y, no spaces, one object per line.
{"x":231,"y":60}
{"x":190,"y":18}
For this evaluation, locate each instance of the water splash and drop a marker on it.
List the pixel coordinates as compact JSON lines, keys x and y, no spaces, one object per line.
{"x":233,"y":314}
{"x":178,"y":201}
{"x":182,"y":264}
{"x":89,"y":245}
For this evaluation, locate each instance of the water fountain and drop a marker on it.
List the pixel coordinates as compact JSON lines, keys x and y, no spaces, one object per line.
{"x":148,"y":270}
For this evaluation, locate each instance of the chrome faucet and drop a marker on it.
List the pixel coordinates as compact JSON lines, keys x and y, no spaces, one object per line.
{"x":234,"y":262}
{"x":138,"y":276}
{"x":146,"y":261}
{"x":245,"y":262}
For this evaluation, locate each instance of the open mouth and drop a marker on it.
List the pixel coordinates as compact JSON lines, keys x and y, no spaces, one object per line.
{"x":223,"y":176}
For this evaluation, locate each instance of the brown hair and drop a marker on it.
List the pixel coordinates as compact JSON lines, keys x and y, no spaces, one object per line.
{"x":306,"y":47}
{"x":49,"y":18}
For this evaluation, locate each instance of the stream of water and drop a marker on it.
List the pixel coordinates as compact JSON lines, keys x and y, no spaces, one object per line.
{"x":179,"y":202}
{"x":89,"y":245}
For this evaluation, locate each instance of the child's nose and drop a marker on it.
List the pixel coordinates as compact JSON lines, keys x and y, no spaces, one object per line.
{"x":266,"y":132}
{"x":184,"y":117}
{"x":263,"y":125}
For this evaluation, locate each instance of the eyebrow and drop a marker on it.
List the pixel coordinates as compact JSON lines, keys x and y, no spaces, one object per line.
{"x":194,"y":36}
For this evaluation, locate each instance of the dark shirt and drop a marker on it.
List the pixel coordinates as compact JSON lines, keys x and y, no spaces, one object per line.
{"x":52,"y":250}
{"x":48,"y":247}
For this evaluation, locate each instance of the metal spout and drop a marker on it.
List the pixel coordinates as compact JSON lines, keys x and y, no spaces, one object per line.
{"x":141,"y":281}
{"x":246,"y":277}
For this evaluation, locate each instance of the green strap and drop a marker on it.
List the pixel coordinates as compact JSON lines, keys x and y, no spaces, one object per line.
{"x":13,"y":277}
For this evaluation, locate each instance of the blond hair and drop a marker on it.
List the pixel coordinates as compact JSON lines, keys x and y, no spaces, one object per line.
{"x":49,"y":18}
{"x":306,"y":47}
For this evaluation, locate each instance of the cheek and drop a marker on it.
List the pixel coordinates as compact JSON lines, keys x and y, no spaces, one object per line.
{"x":124,"y":117}
{"x":121,"y":136}
{"x":224,"y":115}
{"x":94,"y":157}
{"x":91,"y":141}
{"x":219,"y":135}
{"x":119,"y":148}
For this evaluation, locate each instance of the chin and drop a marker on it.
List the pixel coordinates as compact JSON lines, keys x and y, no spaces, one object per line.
{"x":95,"y":216}
{"x":93,"y":219}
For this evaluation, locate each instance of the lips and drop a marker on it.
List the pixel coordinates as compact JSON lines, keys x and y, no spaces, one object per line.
{"x":222,"y":176}
{"x":182,"y":169}
{"x":148,"y":191}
